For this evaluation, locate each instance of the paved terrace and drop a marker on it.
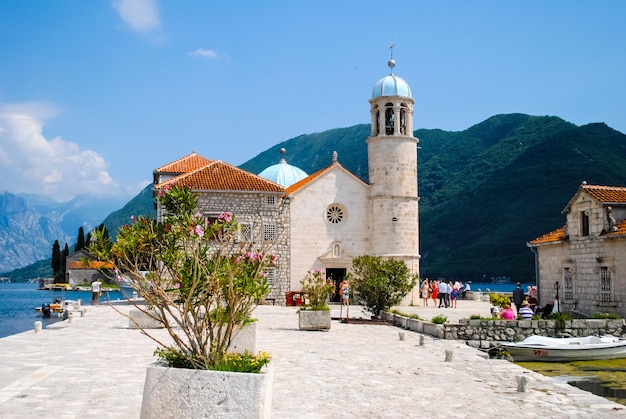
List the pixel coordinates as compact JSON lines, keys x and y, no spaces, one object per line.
{"x":94,"y":367}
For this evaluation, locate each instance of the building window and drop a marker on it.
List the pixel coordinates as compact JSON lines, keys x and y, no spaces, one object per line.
{"x":245,"y":232}
{"x":270,"y":201}
{"x":605,"y":284}
{"x":269,"y":232}
{"x":389,"y":119}
{"x":270,"y":274}
{"x":568,"y":287}
{"x":335,"y":213}
{"x":584,"y":223}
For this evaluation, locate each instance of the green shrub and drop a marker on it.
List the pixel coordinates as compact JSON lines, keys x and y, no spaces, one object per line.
{"x":439,"y":319}
{"x":380,"y":283}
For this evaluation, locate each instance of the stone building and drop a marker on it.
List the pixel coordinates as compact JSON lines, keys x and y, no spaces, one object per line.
{"x":323,"y":220}
{"x":261,"y":206}
{"x":585,"y":260}
{"x":82,"y":268}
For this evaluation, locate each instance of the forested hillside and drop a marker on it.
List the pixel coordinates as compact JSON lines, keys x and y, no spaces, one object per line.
{"x":486,"y":191}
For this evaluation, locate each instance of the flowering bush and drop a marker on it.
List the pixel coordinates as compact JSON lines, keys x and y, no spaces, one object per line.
{"x":196,"y":277}
{"x":318,"y":288}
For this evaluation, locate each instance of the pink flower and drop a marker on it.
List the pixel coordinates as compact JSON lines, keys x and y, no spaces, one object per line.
{"x":226,"y":217}
{"x":177,"y":285}
{"x":132,"y":217}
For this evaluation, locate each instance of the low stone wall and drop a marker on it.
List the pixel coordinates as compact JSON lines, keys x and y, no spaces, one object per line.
{"x":487,"y":333}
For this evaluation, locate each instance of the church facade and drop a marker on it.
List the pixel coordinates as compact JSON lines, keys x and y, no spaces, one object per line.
{"x":323,"y":220}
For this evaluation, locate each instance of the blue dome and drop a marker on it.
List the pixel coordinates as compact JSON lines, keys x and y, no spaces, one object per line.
{"x":391,"y":85}
{"x":284,"y":174}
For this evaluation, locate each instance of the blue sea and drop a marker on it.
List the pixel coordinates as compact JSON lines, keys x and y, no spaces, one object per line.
{"x":19,"y":300}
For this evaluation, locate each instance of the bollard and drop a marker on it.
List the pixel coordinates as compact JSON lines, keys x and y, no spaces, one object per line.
{"x":401,"y":335}
{"x":421,"y":340}
{"x":70,"y":317}
{"x":449,"y":355}
{"x":522,"y":380}
{"x":38,"y":326}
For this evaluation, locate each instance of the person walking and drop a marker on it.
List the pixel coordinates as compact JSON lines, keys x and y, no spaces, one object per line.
{"x":518,"y":297}
{"x":95,"y":292}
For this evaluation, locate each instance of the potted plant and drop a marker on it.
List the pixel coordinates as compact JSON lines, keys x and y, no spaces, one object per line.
{"x":314,"y":314}
{"x":201,"y":283}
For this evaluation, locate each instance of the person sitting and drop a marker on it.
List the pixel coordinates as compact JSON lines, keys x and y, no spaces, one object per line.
{"x":507,"y":312}
{"x":525,"y":311}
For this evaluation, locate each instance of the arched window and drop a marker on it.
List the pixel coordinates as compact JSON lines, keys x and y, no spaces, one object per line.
{"x":403,"y":119}
{"x":389,"y":119}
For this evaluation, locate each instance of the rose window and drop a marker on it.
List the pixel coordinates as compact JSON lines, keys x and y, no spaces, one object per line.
{"x":334,"y":214}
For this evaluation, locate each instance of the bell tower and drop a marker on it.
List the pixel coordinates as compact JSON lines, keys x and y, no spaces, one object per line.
{"x":392,"y":161}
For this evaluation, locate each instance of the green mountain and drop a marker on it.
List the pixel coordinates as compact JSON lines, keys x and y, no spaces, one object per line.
{"x":484,"y":192}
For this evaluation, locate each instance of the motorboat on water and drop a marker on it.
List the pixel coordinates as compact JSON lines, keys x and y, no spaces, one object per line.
{"x":542,"y":348}
{"x":57,"y":308}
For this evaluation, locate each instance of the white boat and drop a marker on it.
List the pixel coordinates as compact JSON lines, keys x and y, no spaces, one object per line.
{"x":542,"y":348}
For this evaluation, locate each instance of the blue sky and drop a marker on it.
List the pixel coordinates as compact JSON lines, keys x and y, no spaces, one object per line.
{"x":94,"y":95}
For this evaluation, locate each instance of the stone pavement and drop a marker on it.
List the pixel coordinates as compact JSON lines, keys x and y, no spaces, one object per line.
{"x":95,"y":367}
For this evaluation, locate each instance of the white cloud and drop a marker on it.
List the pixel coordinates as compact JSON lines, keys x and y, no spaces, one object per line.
{"x":203,"y":53}
{"x":140,"y":15}
{"x":31,"y":163}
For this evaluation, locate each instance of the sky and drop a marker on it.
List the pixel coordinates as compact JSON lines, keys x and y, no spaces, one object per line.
{"x":95,"y":95}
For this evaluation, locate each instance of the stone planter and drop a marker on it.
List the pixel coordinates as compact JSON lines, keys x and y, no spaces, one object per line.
{"x":314,"y":320}
{"x":245,"y":340}
{"x":184,"y":393}
{"x":143,"y":319}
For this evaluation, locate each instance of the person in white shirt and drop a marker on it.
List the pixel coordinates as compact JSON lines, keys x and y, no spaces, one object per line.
{"x":95,"y":292}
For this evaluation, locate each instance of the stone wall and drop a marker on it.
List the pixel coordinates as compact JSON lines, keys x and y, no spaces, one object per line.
{"x":487,"y":333}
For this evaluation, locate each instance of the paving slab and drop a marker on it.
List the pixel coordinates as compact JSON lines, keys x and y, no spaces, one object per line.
{"x":94,"y":367}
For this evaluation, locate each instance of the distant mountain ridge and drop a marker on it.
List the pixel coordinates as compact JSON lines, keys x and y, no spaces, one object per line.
{"x":29,"y":225}
{"x":484,"y":192}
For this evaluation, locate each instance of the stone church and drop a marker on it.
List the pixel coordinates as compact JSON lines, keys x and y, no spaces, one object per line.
{"x":323,"y":220}
{"x":584,"y":262}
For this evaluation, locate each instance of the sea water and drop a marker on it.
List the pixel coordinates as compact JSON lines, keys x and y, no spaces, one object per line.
{"x":19,"y":300}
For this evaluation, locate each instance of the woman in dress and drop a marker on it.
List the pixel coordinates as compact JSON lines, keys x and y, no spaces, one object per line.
{"x":434,"y":292}
{"x":425,"y":291}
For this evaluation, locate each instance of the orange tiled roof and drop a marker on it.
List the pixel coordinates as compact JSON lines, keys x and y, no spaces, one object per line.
{"x":551,"y":237}
{"x":621,"y":229}
{"x":220,"y":176}
{"x":606,"y":194}
{"x":185,"y":164}
{"x":302,"y":183}
{"x":93,"y":264}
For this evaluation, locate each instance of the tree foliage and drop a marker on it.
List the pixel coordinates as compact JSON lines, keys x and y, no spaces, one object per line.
{"x":80,"y":240}
{"x":201,"y":281}
{"x":56,"y":257}
{"x":380,"y":283}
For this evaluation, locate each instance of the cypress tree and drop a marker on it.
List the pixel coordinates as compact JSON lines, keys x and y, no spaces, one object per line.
{"x":80,"y":241}
{"x":64,"y":255}
{"x":56,"y":258}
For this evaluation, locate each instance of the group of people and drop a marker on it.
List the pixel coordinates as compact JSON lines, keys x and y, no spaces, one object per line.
{"x":446,"y":292}
{"x":523,"y":307}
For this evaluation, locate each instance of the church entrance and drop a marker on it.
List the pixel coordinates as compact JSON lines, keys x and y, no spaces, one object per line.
{"x":336,"y":275}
